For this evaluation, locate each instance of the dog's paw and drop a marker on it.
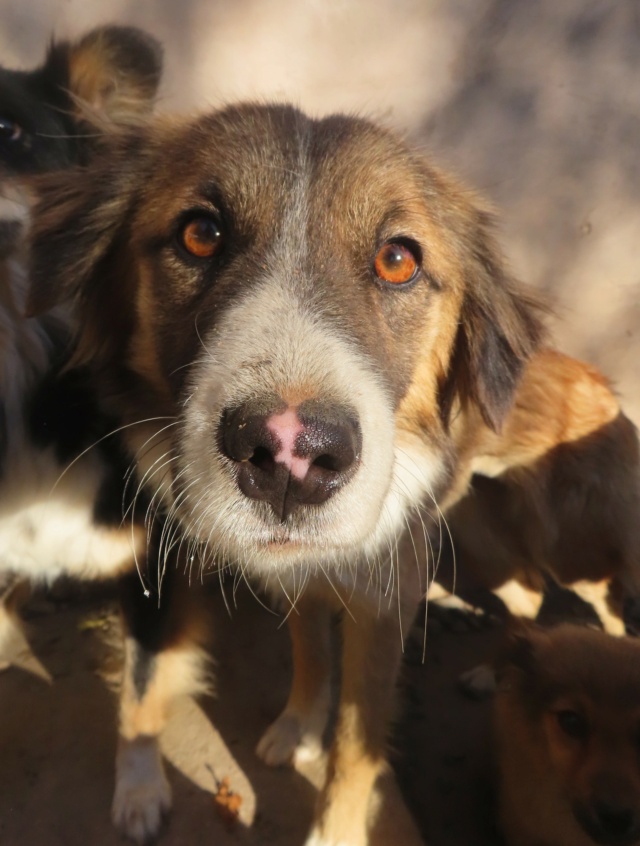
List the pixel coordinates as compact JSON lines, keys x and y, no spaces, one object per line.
{"x":142,"y":796}
{"x":479,"y":682}
{"x":12,"y":638}
{"x":290,"y":740}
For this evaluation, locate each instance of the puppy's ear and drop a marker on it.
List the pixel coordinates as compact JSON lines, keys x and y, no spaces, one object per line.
{"x":500,"y":328}
{"x":519,"y":661}
{"x":77,"y":218}
{"x":113,"y":72}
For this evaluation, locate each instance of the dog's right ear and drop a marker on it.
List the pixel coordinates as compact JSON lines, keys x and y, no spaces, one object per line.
{"x":519,"y":659}
{"x":77,"y":218}
{"x":113,"y":72}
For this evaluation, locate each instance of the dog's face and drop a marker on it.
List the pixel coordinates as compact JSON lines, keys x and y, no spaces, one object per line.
{"x":580,"y":690}
{"x":113,"y":71}
{"x":304,"y":304}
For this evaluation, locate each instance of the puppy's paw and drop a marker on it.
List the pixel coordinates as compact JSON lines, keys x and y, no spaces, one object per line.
{"x":142,"y":796}
{"x":12,"y":639}
{"x":290,"y":740}
{"x":479,"y":682}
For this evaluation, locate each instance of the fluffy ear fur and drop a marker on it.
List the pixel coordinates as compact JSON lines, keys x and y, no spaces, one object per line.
{"x":113,"y":72}
{"x":92,"y":203}
{"x":500,"y":328}
{"x":112,"y":75}
{"x":518,"y":665}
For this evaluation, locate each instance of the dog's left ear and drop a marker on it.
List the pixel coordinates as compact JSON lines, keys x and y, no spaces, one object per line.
{"x":93,"y":204}
{"x":113,"y":72}
{"x":500,"y":327}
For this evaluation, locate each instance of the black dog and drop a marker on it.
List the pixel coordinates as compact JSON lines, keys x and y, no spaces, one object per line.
{"x":61,"y":498}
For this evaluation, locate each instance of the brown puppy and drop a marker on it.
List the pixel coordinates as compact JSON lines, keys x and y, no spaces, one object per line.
{"x":567,"y":723}
{"x":555,"y":495}
{"x":321,"y":323}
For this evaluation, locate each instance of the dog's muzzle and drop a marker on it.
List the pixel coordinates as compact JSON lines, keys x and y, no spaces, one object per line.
{"x":291,"y":456}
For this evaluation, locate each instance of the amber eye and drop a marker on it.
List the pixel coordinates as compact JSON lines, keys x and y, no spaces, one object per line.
{"x":201,"y":236}
{"x":572,"y":724}
{"x":396,"y":263}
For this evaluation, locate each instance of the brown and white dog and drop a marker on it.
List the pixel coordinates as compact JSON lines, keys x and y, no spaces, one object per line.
{"x":567,"y":727}
{"x":321,"y":322}
{"x":61,"y":470}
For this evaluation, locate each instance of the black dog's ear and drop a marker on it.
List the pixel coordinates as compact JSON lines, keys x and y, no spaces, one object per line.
{"x":500,"y":328}
{"x":113,"y":72}
{"x":76,"y":220}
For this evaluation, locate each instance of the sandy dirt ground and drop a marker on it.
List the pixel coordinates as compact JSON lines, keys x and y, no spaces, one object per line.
{"x":58,"y":735}
{"x":534,"y":103}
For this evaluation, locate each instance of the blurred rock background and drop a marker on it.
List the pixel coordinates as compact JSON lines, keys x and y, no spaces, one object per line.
{"x":534,"y":102}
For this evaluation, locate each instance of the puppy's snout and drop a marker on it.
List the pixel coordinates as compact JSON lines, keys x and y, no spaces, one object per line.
{"x":291,"y":457}
{"x":611,"y":823}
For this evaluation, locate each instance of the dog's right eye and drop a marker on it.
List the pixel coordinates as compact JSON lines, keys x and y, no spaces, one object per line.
{"x":201,"y":236}
{"x":572,"y":724}
{"x":397,"y":263}
{"x":10,"y":130}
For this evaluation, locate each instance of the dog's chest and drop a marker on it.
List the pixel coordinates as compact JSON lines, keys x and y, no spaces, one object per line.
{"x":48,"y":524}
{"x":50,"y":494}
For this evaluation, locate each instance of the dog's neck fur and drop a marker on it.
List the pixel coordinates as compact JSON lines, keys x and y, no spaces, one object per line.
{"x":27,"y":348}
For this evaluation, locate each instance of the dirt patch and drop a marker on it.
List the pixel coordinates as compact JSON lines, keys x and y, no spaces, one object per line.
{"x":58,"y":735}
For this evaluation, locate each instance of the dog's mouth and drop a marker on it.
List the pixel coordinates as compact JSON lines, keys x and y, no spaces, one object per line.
{"x":281,"y":537}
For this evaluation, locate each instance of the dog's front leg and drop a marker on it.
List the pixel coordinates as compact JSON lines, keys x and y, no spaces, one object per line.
{"x":371,"y":654}
{"x":12,"y":639}
{"x":296,"y":735}
{"x":163,"y":660}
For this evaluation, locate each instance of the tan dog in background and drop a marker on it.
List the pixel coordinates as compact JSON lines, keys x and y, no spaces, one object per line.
{"x":567,"y":724}
{"x":555,"y":495}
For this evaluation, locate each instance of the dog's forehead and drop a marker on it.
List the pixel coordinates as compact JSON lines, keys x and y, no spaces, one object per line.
{"x":262,"y":158}
{"x":578,"y":662}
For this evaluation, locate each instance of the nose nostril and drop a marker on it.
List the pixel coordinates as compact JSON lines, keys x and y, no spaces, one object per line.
{"x":262,"y":458}
{"x":328,"y":462}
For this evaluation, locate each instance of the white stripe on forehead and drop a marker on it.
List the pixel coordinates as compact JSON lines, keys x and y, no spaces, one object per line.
{"x":289,"y":250}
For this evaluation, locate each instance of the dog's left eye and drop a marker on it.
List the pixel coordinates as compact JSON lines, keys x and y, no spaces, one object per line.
{"x":572,"y":724}
{"x":397,"y":263}
{"x":10,"y":130}
{"x":201,"y":236}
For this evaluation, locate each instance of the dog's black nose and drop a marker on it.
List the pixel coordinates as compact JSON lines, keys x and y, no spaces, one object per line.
{"x":291,"y":457}
{"x":610,"y":823}
{"x":615,"y":822}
